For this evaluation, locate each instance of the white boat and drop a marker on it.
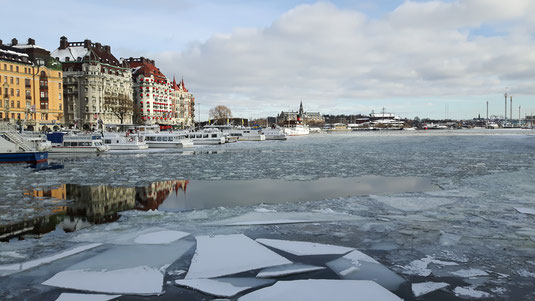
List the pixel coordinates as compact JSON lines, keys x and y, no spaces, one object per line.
{"x":119,"y":141}
{"x":245,"y":134}
{"x":296,"y":130}
{"x":167,"y":140}
{"x":207,"y":137}
{"x":274,"y":134}
{"x":78,"y":143}
{"x":37,"y":140}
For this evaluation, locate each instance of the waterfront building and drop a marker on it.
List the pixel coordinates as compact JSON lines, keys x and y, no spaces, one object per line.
{"x":32,"y":86}
{"x":152,"y":93}
{"x":97,"y":86}
{"x":183,"y":104}
{"x":286,"y":117}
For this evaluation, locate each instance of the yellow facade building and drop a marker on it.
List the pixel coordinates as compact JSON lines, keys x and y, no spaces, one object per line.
{"x":32,"y":86}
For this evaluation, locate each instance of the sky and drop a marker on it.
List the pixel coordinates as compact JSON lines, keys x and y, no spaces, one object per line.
{"x":431,"y":59}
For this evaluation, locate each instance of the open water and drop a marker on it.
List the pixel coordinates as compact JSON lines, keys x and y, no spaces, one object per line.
{"x":438,"y":206}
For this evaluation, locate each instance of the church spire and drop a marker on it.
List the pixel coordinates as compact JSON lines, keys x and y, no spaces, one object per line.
{"x":301,"y":108}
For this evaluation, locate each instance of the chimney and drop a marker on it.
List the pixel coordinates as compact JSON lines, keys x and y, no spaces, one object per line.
{"x":31,"y":41}
{"x":63,"y":42}
{"x":98,"y":46}
{"x":14,"y":42}
{"x":107,"y":48}
{"x":1,"y":43}
{"x":87,"y":44}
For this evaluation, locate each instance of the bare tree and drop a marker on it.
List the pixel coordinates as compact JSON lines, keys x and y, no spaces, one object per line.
{"x":220,"y":112}
{"x":120,"y":105}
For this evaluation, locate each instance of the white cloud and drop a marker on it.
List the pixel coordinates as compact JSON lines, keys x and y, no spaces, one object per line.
{"x":331,"y":57}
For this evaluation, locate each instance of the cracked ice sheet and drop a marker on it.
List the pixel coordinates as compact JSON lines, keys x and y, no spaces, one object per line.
{"x":419,"y":266}
{"x":320,"y":290}
{"x":405,"y":202}
{"x":269,"y":218}
{"x":135,"y":269}
{"x":420,"y":289}
{"x":525,"y":210}
{"x":160,"y":237}
{"x":222,"y":255}
{"x":470,"y":273}
{"x":85,"y":297}
{"x":359,"y":266}
{"x":19,"y":267}
{"x":468,"y":291}
{"x":223,"y":287}
{"x":285,"y":270}
{"x":302,"y":248}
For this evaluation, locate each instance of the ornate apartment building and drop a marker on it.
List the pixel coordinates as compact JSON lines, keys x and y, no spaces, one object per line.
{"x":31,"y":86}
{"x":156,"y":99}
{"x":97,"y":86}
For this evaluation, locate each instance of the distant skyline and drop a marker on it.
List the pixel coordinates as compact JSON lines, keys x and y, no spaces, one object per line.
{"x":414,"y":58}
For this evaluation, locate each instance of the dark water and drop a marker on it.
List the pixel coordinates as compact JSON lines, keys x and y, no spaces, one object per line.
{"x":87,"y":205}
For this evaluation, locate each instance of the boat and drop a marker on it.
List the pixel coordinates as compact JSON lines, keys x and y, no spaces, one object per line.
{"x":166,"y":140}
{"x":245,"y":134}
{"x":37,"y":140}
{"x":76,"y":143}
{"x":296,"y":130}
{"x":274,"y":133}
{"x":207,"y":137}
{"x":12,"y":152}
{"x":123,"y":141}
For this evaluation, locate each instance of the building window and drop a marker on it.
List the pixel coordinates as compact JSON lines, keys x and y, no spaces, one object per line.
{"x":18,"y":83}
{"x":60,"y":107}
{"x":11,"y":69}
{"x":18,"y":116}
{"x":17,"y":69}
{"x":18,"y":104}
{"x":12,"y":103}
{"x":11,"y":80}
{"x":18,"y":93}
{"x":13,"y":115}
{"x":5,"y":66}
{"x":12,"y":92}
{"x":59,"y":86}
{"x":27,"y":83}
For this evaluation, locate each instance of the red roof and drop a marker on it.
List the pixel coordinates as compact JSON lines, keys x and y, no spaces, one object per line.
{"x":147,"y":68}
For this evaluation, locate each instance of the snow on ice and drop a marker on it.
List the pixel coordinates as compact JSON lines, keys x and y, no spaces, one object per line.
{"x":301,"y":248}
{"x":321,"y":290}
{"x":525,"y":210}
{"x":269,"y":218}
{"x":420,"y":289}
{"x":470,"y":273}
{"x":85,"y":297}
{"x":160,"y":237}
{"x":229,"y":254}
{"x":223,"y":287}
{"x":468,"y":291}
{"x":419,"y":266}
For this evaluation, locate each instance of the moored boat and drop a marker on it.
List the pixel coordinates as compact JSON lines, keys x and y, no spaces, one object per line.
{"x":296,"y":130}
{"x":10,"y":152}
{"x":167,"y":140}
{"x":119,"y":141}
{"x":76,"y":143}
{"x":206,"y":137}
{"x":274,"y":133}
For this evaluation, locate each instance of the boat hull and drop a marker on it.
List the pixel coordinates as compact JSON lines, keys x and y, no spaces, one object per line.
{"x":77,"y":149}
{"x":128,"y":146}
{"x":24,"y":157}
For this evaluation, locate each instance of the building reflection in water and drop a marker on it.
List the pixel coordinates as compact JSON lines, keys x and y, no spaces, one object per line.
{"x":90,"y":205}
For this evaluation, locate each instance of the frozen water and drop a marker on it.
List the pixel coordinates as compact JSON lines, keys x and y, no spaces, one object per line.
{"x":85,"y":297}
{"x":359,"y":266}
{"x":285,"y":270}
{"x":411,"y":202}
{"x":302,"y":248}
{"x":223,"y":287}
{"x":470,"y":273}
{"x":161,"y":237}
{"x":139,"y":280}
{"x":525,"y":210}
{"x":230,"y":254}
{"x":420,"y":289}
{"x":420,"y":266}
{"x":471,"y":292}
{"x":321,"y":290}
{"x":19,"y":267}
{"x":267,"y":218}
{"x":123,"y":269}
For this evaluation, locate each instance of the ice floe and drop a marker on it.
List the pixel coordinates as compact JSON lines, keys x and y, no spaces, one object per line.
{"x":359,"y":266}
{"x":223,"y":287}
{"x":268,"y":218}
{"x":468,"y":291}
{"x":85,"y":297}
{"x":302,"y":248}
{"x":160,"y":237}
{"x":19,"y":267}
{"x":139,"y":280}
{"x":525,"y":210}
{"x":470,"y":273}
{"x":222,"y":255}
{"x":420,"y":266}
{"x":420,"y":289}
{"x":406,"y":202}
{"x":285,"y":270}
{"x":130,"y":269}
{"x":321,"y":290}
